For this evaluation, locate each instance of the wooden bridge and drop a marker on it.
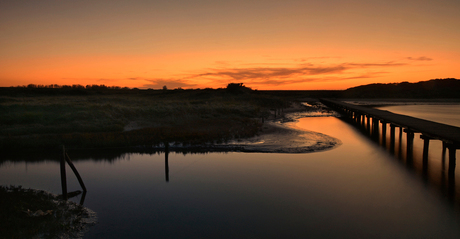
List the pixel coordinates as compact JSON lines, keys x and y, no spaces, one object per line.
{"x":449,"y":135}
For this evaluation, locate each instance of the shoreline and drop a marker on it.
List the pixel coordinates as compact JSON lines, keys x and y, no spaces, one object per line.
{"x":278,"y":135}
{"x":280,"y":138}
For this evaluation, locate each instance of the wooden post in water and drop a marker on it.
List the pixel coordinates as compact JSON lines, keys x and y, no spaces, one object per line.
{"x":452,"y":155}
{"x":63,"y":175}
{"x":384,"y":133}
{"x":444,"y":148}
{"x":80,"y":180}
{"x":166,"y":161}
{"x":410,"y":144}
{"x":392,"y":137}
{"x":426,"y":145}
{"x":65,"y":158}
{"x":368,"y":122}
{"x":375,"y":130}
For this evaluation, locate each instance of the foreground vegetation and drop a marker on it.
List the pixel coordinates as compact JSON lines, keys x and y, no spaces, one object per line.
{"x":124,"y":118}
{"x":28,"y":213}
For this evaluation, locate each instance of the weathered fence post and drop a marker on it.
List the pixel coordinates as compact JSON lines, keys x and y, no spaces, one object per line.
{"x":166,"y":161}
{"x":63,"y":175}
{"x":75,"y":172}
{"x":65,"y":158}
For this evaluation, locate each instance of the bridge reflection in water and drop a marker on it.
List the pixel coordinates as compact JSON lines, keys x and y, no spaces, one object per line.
{"x":409,"y":141}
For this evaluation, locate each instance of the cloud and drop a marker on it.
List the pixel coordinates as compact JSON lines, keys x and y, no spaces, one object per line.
{"x":289,"y":75}
{"x":316,"y":58}
{"x":366,"y":65}
{"x":273,"y":74}
{"x":366,"y":75}
{"x":422,"y":58}
{"x":270,"y":72}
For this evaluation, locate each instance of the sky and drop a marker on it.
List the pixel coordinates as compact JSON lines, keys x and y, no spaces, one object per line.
{"x":265,"y":44}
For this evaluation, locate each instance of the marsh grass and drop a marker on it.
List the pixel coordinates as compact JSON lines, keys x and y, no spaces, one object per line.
{"x":99,"y":120}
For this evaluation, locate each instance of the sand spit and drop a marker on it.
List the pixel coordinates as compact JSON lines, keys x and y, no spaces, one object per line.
{"x":278,"y":135}
{"x":279,"y":138}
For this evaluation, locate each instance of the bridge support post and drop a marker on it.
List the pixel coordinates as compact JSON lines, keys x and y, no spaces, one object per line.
{"x":426,"y":145}
{"x":444,"y":149}
{"x":392,"y":137}
{"x":410,"y":144}
{"x":375,"y":128}
{"x":369,"y":123}
{"x":452,"y":159}
{"x":384,"y":132}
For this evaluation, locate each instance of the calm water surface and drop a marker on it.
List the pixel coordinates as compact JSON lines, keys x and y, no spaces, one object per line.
{"x":356,"y":190}
{"x":446,"y":114}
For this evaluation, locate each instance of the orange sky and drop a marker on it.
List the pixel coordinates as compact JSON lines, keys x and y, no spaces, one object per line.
{"x":266,"y":44}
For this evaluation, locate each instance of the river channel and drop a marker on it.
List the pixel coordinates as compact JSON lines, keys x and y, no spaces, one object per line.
{"x":358,"y":189}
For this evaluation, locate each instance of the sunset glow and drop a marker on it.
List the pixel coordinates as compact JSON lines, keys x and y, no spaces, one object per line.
{"x":284,"y":45}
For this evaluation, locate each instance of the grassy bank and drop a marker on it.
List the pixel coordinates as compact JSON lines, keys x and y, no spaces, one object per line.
{"x":31,"y":120}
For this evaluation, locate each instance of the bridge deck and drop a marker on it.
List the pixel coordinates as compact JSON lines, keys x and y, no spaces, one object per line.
{"x":447,"y":133}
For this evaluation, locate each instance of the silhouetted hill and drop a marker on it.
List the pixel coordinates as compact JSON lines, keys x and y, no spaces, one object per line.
{"x":437,"y":88}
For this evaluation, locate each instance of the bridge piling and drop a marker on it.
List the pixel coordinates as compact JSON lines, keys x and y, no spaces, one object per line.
{"x":452,"y":159}
{"x":449,"y":135}
{"x":392,"y":137}
{"x":426,"y":145}
{"x":410,"y":143}
{"x":384,"y":132}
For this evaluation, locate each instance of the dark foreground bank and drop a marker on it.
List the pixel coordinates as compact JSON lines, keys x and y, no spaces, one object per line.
{"x":29,"y":213}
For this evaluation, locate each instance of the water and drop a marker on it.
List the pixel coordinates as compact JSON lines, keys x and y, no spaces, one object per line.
{"x":446,"y":114}
{"x":356,"y":190}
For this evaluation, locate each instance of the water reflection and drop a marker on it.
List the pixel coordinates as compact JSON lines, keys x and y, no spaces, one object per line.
{"x":412,"y":149}
{"x":355,"y":190}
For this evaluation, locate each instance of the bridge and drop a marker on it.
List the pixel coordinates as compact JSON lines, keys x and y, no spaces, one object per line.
{"x":449,"y":135}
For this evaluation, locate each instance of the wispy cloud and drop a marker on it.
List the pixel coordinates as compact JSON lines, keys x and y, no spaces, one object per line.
{"x":422,"y":58}
{"x":288,"y":75}
{"x":270,"y":72}
{"x":274,"y":74}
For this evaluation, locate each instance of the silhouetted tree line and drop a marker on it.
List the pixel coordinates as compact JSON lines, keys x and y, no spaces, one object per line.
{"x":436,"y":88}
{"x":55,"y":89}
{"x":56,"y":86}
